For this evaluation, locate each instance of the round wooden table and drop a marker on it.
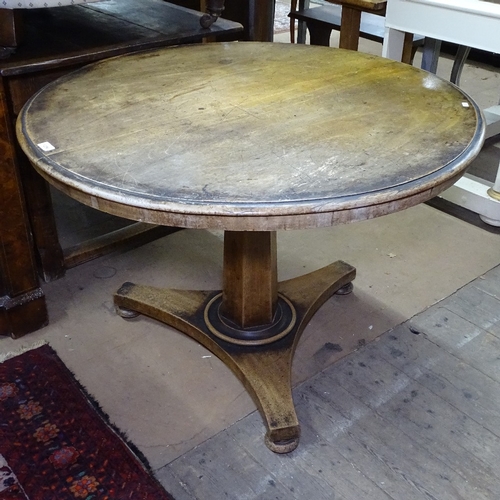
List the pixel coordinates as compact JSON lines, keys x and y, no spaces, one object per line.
{"x":250,"y":138}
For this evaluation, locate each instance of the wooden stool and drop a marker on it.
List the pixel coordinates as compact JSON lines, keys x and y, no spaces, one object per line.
{"x":350,"y":19}
{"x":322,"y":20}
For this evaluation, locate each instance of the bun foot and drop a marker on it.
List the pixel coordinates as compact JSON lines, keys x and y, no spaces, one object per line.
{"x":345,"y":290}
{"x":126,"y":313}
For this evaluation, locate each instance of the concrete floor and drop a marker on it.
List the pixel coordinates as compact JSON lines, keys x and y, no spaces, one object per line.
{"x":167,"y":392}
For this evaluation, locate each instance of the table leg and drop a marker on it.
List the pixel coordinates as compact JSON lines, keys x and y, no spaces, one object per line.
{"x":260,"y":355}
{"x":250,"y":294}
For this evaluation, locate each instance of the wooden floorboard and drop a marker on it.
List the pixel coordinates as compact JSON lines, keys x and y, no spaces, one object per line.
{"x":447,"y":434}
{"x":456,"y":382}
{"x":414,"y":415}
{"x":316,"y":469}
{"x":382,"y":441}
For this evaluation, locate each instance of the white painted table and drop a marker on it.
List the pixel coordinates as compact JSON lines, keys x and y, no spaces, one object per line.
{"x":474,"y":23}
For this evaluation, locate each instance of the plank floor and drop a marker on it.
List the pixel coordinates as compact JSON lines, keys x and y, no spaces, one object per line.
{"x":414,"y":415}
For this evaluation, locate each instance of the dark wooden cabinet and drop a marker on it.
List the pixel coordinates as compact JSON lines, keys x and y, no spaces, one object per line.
{"x":56,"y":41}
{"x":22,"y":302}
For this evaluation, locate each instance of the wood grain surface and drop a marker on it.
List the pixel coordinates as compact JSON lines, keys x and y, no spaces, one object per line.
{"x":251,"y":136}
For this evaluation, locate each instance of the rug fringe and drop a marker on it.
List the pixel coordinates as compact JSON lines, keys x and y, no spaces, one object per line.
{"x":21,"y":350}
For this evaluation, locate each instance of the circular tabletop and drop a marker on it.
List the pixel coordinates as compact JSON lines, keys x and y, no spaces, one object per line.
{"x":250,"y":136}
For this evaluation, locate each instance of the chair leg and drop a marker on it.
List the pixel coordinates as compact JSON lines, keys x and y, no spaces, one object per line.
{"x":430,"y":55}
{"x":408,"y":49}
{"x":458,"y":64}
{"x":301,"y":29}
{"x":430,"y":58}
{"x":349,"y":28}
{"x":293,"y":8}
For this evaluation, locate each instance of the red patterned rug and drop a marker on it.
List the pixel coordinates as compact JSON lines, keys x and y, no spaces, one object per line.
{"x":55,"y":444}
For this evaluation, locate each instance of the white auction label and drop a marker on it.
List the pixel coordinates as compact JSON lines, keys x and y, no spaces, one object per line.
{"x":46,"y":146}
